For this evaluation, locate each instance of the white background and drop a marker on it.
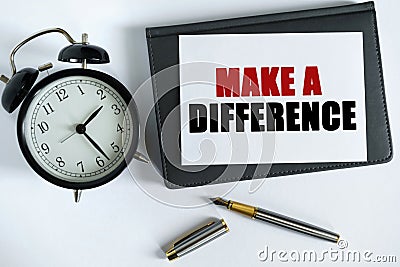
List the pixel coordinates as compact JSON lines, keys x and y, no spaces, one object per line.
{"x":118,"y":224}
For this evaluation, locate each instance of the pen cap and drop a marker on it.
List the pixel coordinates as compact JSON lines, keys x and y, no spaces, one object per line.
{"x":197,"y":238}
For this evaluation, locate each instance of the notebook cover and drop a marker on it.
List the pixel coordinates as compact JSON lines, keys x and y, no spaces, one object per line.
{"x":163,"y":48}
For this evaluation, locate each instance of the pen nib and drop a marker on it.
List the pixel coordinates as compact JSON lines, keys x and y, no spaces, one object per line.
{"x":220,"y":201}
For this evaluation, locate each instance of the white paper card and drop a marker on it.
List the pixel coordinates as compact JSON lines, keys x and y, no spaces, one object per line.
{"x":274,"y":98}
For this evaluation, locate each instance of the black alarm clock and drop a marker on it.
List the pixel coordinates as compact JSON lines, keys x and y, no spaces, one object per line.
{"x":77,"y":128}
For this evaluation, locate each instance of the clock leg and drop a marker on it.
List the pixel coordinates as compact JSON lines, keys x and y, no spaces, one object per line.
{"x":140,"y":157}
{"x":77,"y":195}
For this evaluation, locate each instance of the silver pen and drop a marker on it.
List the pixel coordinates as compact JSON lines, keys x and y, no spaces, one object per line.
{"x":197,"y":238}
{"x":277,"y":219}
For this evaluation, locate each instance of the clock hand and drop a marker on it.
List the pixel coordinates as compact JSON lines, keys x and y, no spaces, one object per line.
{"x":91,"y":117}
{"x":66,"y":138}
{"x":95,"y":145}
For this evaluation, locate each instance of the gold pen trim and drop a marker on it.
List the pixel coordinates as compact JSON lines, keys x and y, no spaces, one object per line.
{"x":171,"y":254}
{"x":242,"y":208}
{"x":225,"y":225}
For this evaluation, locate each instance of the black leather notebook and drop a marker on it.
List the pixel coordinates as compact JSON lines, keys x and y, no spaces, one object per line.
{"x":163,"y":48}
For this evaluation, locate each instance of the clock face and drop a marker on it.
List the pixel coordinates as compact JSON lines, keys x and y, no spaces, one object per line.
{"x":77,"y":130}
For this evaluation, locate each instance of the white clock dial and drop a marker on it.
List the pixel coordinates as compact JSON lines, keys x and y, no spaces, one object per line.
{"x":78,"y":128}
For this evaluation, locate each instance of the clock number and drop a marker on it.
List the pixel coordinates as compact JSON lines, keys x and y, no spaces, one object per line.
{"x":116,"y":109}
{"x":45,"y":148}
{"x":81,"y":164}
{"x":100,"y":162}
{"x":43,"y":126}
{"x":120,"y":128}
{"x":101,"y":94}
{"x":48,"y":108}
{"x":60,"y":162}
{"x":115,"y":147}
{"x":80,"y":90}
{"x":62,"y":94}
